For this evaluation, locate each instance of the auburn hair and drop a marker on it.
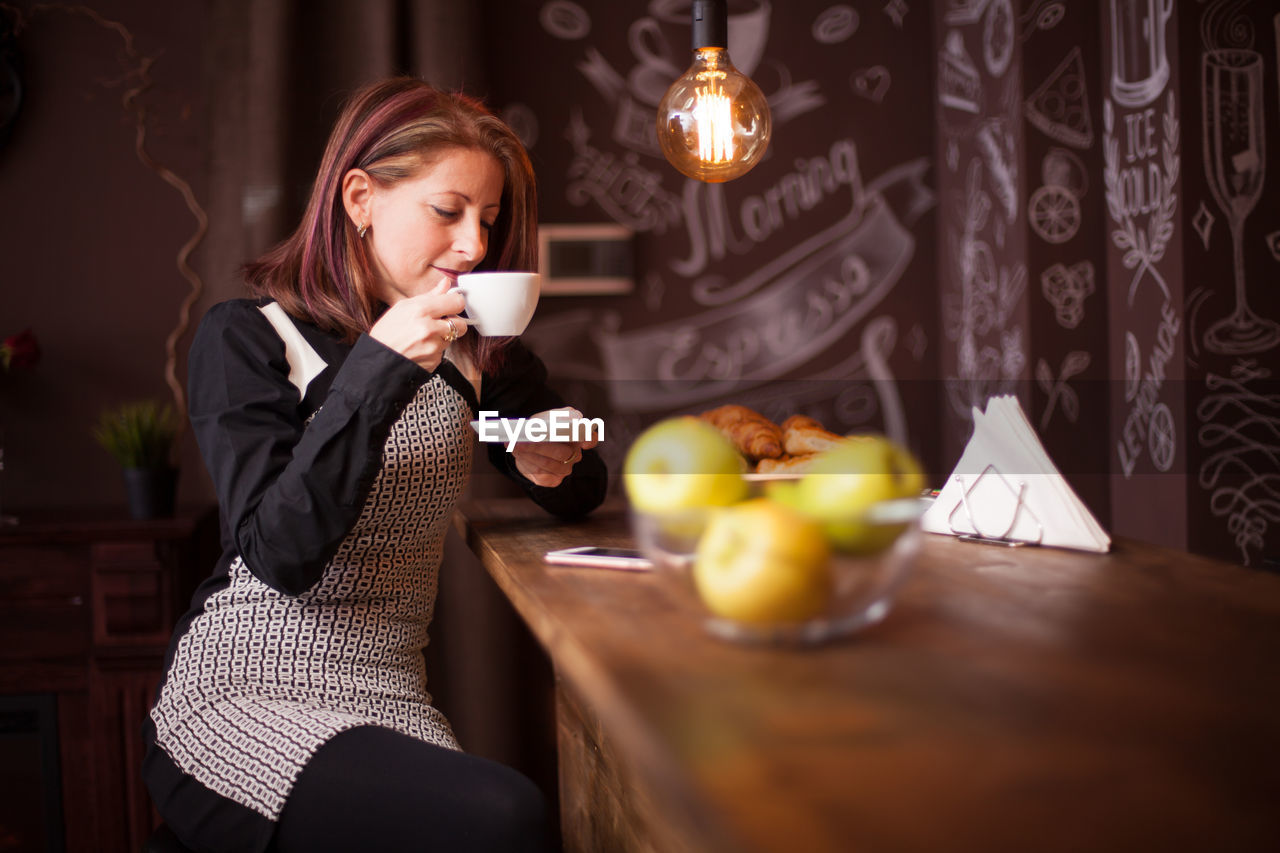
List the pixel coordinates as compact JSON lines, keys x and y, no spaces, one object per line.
{"x":392,"y":129}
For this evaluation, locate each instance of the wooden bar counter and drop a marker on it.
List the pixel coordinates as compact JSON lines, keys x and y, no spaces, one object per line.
{"x":1014,"y":699}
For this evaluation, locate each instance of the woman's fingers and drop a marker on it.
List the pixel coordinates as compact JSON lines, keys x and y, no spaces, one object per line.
{"x":546,"y":463}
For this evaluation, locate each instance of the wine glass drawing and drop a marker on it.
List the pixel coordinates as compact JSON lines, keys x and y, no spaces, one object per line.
{"x":1235,"y":165}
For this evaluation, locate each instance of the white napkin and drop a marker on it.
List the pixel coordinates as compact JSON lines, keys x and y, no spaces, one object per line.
{"x":1006,"y":487}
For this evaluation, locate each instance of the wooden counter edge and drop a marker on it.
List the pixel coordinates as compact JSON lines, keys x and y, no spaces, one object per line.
{"x":574,"y":665}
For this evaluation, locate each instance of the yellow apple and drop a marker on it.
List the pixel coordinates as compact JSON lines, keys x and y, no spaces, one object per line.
{"x":683,"y":463}
{"x":761,"y":562}
{"x":844,"y":483}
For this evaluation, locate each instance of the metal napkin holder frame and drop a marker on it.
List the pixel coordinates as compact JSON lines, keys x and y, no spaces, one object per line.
{"x":978,"y":534}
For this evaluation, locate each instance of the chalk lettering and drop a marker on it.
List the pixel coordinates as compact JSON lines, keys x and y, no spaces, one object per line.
{"x":1141,"y":132}
{"x":1138,"y":422}
{"x":708,"y":223}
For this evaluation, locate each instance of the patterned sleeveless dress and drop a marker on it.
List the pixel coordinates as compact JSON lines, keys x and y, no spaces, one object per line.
{"x":260,"y":680}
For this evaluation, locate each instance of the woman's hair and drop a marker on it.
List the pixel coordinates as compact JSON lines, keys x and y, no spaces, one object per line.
{"x":322,"y":273}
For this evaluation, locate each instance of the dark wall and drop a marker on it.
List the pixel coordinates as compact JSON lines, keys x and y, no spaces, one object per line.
{"x":1043,"y":170}
{"x":1227,"y":85}
{"x":848,"y":276}
{"x":805,"y":285}
{"x":90,"y":237}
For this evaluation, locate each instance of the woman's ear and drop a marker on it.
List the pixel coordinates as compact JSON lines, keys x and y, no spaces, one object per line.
{"x":357,"y":197}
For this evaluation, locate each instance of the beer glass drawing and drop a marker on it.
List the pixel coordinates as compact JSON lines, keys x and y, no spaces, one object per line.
{"x":1235,"y":165}
{"x":1139,"y":57}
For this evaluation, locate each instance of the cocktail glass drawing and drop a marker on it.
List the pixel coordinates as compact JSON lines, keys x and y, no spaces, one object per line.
{"x":1235,"y":165}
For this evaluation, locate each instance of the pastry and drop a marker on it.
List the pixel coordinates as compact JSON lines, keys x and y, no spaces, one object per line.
{"x":802,"y":434}
{"x":786,"y":464}
{"x":755,"y":436}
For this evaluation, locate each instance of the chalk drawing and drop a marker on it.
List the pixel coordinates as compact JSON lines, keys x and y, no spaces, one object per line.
{"x":1162,"y":438}
{"x":781,"y":315}
{"x":1012,"y":353}
{"x":1054,"y":214}
{"x":523,"y":120}
{"x":628,"y":192}
{"x":1273,"y":244}
{"x":1059,"y":107}
{"x":793,"y":99}
{"x":1139,"y":62}
{"x":654,"y":290}
{"x":1203,"y":223}
{"x":1066,"y":288}
{"x":997,"y":37}
{"x":563,"y":19}
{"x":917,"y":342}
{"x":1225,"y":23}
{"x":1132,"y":366}
{"x":878,"y":338}
{"x":959,"y":83}
{"x":715,"y":231}
{"x":835,"y":24}
{"x":964,"y":12}
{"x":1149,"y":426}
{"x":1137,"y":190}
{"x":1043,"y":15}
{"x":988,"y":296}
{"x":995,"y":141}
{"x":1062,"y":168}
{"x":1235,"y":165}
{"x":897,"y":11}
{"x":872,"y":83}
{"x":1056,"y":389}
{"x":1240,"y":436}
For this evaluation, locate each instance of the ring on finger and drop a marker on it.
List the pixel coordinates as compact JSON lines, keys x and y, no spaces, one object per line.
{"x":453,"y":331}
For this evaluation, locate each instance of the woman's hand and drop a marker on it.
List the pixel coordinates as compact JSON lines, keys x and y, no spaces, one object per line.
{"x":421,"y":327}
{"x":547,"y":463}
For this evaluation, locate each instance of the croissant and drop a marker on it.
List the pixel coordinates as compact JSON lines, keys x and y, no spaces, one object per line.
{"x":755,"y":436}
{"x":802,"y":434}
{"x":785,"y":464}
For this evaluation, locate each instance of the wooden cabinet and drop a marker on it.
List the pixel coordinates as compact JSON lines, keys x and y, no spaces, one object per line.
{"x":87,"y":603}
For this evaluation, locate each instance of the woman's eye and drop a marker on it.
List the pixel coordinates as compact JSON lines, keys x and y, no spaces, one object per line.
{"x":444,"y":213}
{"x":488,"y":226}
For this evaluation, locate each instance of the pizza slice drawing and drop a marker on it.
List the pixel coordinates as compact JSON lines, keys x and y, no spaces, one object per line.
{"x":1060,"y":107}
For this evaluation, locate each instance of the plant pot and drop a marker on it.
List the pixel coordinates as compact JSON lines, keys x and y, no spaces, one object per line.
{"x":151,"y":492}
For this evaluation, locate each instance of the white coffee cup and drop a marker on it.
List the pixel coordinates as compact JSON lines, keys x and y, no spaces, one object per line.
{"x":499,"y":303}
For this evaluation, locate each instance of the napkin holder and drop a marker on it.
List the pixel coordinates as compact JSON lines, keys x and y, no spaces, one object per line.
{"x":1019,"y":510}
{"x":1006,"y":490}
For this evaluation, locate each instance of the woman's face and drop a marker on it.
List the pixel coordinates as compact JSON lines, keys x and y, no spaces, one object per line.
{"x":433,"y":225}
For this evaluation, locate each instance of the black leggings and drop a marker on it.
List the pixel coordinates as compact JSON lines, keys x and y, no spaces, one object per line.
{"x":371,"y":789}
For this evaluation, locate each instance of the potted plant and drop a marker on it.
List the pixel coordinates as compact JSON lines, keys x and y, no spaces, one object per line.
{"x":141,"y":437}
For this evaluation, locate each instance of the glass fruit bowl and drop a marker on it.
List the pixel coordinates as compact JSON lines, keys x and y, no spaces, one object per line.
{"x":758,"y":571}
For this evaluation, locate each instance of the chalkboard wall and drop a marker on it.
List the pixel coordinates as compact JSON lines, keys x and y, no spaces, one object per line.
{"x":962,"y":198}
{"x":807,"y":285}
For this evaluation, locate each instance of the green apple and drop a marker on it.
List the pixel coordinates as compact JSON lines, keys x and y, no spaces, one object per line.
{"x":760,"y":562}
{"x":844,"y":483}
{"x":683,"y":463}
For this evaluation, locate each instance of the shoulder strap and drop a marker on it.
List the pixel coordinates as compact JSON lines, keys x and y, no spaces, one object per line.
{"x":305,"y":363}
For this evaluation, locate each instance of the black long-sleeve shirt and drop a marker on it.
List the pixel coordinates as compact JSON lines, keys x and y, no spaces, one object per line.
{"x":293,"y":449}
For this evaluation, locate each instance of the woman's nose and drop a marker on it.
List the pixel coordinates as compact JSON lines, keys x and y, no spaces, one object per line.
{"x":470,"y":240}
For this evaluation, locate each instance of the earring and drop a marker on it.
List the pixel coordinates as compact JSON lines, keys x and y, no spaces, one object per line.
{"x":362,"y":230}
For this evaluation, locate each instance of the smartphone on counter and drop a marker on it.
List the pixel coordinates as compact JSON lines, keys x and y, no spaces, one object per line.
{"x":627,"y":559}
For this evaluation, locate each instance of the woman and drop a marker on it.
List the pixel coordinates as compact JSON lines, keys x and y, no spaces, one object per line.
{"x":333,"y":414}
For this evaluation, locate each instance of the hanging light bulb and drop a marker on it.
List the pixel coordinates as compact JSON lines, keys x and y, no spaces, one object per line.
{"x":713,"y":123}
